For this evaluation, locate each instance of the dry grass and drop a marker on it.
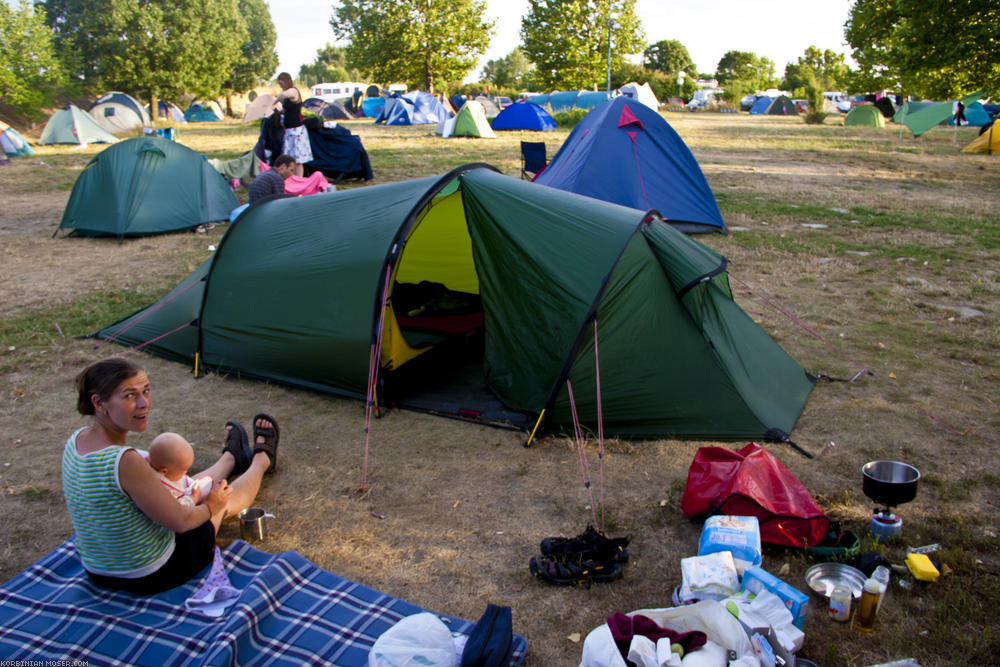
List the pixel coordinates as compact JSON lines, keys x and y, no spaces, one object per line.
{"x":456,"y":510}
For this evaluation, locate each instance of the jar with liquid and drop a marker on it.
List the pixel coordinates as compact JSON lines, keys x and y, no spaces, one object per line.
{"x":864,"y":620}
{"x":840,"y":604}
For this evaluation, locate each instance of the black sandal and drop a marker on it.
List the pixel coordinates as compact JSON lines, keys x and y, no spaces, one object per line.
{"x":270,"y":435}
{"x":238,"y":445}
{"x":589,"y":545}
{"x":563,"y":573}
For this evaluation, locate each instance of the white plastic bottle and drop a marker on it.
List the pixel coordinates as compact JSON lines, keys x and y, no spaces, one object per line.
{"x":881,"y":575}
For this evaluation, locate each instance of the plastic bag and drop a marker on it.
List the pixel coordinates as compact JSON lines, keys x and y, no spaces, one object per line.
{"x":421,"y":639}
{"x":723,"y":630}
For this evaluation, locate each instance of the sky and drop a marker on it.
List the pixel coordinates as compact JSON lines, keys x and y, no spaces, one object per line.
{"x":777,"y":29}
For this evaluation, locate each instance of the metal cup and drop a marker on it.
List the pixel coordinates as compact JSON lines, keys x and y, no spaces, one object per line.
{"x":252,"y":524}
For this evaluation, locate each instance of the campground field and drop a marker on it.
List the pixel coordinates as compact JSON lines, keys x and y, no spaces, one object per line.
{"x":885,"y":247}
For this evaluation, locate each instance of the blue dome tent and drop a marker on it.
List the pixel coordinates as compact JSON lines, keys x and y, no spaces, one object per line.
{"x":625,"y":153}
{"x":524,"y":116}
{"x":413,"y":108}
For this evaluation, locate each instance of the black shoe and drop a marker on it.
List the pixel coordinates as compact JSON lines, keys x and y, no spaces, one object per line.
{"x":567,"y":573}
{"x":270,"y":435}
{"x":589,"y":545}
{"x":238,"y":445}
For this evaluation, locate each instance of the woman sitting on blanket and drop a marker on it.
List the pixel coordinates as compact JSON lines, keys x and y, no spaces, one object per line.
{"x":131,"y":534}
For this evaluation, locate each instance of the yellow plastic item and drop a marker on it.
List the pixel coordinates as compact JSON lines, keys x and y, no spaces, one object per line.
{"x":921,"y":567}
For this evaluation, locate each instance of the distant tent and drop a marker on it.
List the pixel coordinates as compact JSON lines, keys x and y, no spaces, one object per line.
{"x":910,"y":107}
{"x":988,"y":142}
{"x":261,"y":107}
{"x":760,"y":105}
{"x":12,"y":143}
{"x":204,"y":112}
{"x":560,"y":101}
{"x":588,"y":99}
{"x":886,"y":106}
{"x":167,"y":111}
{"x":975,"y":115}
{"x":524,"y":116}
{"x":118,"y":112}
{"x":373,"y":91}
{"x":371,"y":107}
{"x":469,"y":122}
{"x":456,"y":102}
{"x":71,"y":125}
{"x":922,"y":116}
{"x":865,"y":115}
{"x":414,"y":108}
{"x":516,"y":277}
{"x":781,"y":106}
{"x":146,"y":185}
{"x":626,"y":153}
{"x":541,"y":99}
{"x":489,"y":106}
{"x":641,"y":93}
{"x":327,"y":110}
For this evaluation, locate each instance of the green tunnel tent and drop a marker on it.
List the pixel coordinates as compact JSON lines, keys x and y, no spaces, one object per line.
{"x":143,"y":186}
{"x":493,"y":287}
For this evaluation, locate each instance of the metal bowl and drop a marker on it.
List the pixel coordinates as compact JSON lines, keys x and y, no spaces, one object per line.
{"x":889,"y":482}
{"x":824,"y":577}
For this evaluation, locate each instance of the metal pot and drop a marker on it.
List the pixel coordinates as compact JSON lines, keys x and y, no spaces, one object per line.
{"x":889,"y":483}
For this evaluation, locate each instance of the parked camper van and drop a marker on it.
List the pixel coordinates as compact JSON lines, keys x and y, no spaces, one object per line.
{"x":335,"y":92}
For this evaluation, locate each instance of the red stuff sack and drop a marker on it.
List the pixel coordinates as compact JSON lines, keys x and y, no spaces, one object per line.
{"x":752,"y":482}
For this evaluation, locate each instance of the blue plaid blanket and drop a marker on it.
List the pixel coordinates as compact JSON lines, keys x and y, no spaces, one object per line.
{"x":290,"y":612}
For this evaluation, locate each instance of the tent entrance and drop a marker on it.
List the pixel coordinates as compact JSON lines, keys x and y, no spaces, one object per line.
{"x":432,"y":346}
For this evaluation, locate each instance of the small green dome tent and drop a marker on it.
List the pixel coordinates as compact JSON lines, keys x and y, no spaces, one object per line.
{"x":492,"y":287}
{"x":72,"y":125}
{"x":146,"y":185}
{"x":865,"y":115}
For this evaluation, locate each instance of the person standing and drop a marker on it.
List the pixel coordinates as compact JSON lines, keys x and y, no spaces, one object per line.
{"x":296,"y":141}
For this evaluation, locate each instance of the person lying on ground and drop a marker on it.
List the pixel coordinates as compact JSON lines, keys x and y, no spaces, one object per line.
{"x":131,"y":534}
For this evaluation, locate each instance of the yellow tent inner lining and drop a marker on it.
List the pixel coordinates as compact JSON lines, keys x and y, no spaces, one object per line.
{"x":438,"y":249}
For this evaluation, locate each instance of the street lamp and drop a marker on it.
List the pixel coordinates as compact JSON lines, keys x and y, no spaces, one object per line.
{"x":612,"y":24}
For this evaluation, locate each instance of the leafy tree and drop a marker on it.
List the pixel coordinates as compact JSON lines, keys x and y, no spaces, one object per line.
{"x":258,"y":60}
{"x":824,"y":68}
{"x":670,"y":57}
{"x":414,"y":41}
{"x":750,"y":70}
{"x":29,"y":68}
{"x":514,"y":70}
{"x":930,"y":49}
{"x":330,"y":65}
{"x":148,"y":48}
{"x":568,"y":40}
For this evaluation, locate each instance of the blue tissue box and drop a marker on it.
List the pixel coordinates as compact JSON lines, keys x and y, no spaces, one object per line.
{"x":756,"y":579}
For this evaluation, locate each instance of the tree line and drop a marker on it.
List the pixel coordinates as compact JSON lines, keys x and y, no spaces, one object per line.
{"x":161,"y":50}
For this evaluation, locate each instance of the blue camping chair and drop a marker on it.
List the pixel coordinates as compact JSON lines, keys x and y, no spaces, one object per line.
{"x":532,"y":157}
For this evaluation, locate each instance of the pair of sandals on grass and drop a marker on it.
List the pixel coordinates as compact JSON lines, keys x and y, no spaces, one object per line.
{"x":586,"y":558}
{"x":265,"y":439}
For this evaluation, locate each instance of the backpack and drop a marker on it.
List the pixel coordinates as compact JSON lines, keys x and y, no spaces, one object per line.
{"x":491,"y":641}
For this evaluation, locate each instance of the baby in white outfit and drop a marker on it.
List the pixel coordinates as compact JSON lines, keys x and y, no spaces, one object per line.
{"x":171,"y":456}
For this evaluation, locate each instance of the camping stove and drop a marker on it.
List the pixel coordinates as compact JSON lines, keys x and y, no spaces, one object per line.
{"x":888,"y":483}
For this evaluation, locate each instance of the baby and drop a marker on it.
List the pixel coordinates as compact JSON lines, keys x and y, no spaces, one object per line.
{"x":171,"y":456}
